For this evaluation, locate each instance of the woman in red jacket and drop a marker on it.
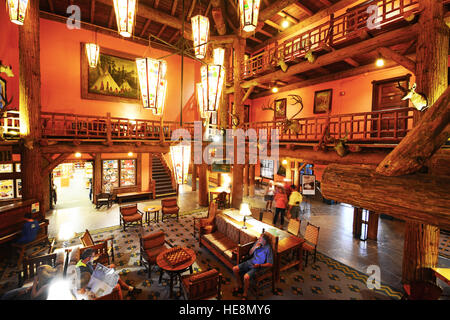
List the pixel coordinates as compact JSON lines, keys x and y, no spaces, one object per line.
{"x":281,"y":201}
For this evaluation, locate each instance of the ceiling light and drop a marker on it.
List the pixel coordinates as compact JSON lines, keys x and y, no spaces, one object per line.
{"x":285,"y":24}
{"x":275,"y":89}
{"x":379,"y":62}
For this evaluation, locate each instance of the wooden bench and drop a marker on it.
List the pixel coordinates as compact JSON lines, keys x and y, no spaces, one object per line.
{"x":133,"y":195}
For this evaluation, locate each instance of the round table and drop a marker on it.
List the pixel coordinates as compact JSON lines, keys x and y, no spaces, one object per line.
{"x":152,"y":209}
{"x":175,"y":271}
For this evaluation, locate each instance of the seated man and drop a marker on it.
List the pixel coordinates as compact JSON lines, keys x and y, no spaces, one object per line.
{"x":85,"y":268}
{"x":262,"y":257}
{"x":30,"y":229}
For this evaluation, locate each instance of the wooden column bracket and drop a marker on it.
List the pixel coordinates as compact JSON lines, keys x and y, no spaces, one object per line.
{"x":54,"y":163}
{"x":398,"y":58}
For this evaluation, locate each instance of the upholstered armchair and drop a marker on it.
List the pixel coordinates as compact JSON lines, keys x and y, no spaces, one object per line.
{"x":206,"y":221}
{"x":116,"y":294}
{"x":169,"y":208}
{"x":151,"y":245}
{"x":130,"y":215}
{"x":202,"y":285}
{"x":87,"y":241}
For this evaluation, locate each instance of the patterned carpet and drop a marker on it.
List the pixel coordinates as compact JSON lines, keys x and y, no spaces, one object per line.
{"x":324,"y":280}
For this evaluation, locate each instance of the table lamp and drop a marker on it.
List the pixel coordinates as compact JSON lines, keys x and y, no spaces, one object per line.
{"x":245,"y":211}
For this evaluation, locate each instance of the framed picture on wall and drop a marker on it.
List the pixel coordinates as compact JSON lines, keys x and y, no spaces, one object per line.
{"x":322,"y":101}
{"x":308,"y":184}
{"x":280,"y":109}
{"x":114,"y":79}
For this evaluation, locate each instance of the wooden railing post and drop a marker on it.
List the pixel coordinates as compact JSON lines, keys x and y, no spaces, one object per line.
{"x":108,"y":127}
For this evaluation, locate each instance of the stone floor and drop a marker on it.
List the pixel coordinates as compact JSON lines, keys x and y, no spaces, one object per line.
{"x":335,"y":221}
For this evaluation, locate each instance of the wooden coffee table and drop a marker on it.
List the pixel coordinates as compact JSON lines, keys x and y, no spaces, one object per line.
{"x":152,"y":209}
{"x":175,"y":271}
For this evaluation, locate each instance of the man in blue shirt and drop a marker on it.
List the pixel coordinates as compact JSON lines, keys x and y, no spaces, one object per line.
{"x":29,"y":230}
{"x":262,"y":257}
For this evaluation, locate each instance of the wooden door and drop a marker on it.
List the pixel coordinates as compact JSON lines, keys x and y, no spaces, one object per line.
{"x":386,"y":96}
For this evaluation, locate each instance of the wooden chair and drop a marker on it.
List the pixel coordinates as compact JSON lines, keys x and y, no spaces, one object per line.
{"x":267,"y":217}
{"x":151,"y":245}
{"x":421,"y":290}
{"x":30,"y":266}
{"x":87,"y":241}
{"x":311,"y":239}
{"x":256,"y":213}
{"x":21,"y":248}
{"x":294,"y":227}
{"x":101,"y":251}
{"x":200,"y":222}
{"x":169,"y":208}
{"x":130,"y":215}
{"x":202,"y":285}
{"x":268,"y":276}
{"x":104,"y":198}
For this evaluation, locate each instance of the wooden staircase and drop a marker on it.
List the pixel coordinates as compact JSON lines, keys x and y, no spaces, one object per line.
{"x":163,"y":179}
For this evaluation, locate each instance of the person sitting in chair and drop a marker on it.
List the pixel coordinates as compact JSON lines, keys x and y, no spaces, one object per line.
{"x":262,"y":258}
{"x":85,"y":268}
{"x":30,"y":229}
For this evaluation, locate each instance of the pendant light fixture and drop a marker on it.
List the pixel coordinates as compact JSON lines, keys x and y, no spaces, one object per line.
{"x":93,"y":53}
{"x":153,"y":83}
{"x":213,"y":76}
{"x":248,"y":13}
{"x":200,"y":34}
{"x":17,"y":10}
{"x":125,"y":15}
{"x":181,"y":156}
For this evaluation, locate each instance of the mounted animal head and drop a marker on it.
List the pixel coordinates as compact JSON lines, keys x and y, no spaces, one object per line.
{"x":291,"y":123}
{"x":418,"y":100}
{"x":340,"y":147}
{"x":235,"y":121}
{"x":278,"y":61}
{"x":4,"y":102}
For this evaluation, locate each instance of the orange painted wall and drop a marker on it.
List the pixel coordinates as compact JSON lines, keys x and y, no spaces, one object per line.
{"x":357,"y":95}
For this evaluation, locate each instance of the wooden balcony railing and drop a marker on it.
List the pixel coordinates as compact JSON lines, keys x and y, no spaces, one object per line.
{"x":11,"y":124}
{"x":387,"y":126}
{"x":334,"y":31}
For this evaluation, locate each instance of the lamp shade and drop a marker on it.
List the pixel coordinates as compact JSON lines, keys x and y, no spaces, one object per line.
{"x":200,"y":33}
{"x":17,"y":10}
{"x":152,"y":79}
{"x":181,"y":156}
{"x":92,"y":53}
{"x":212,"y":83}
{"x":125,"y":14}
{"x":219,"y":55}
{"x":201,"y":101}
{"x":245,"y":209}
{"x":248,"y":13}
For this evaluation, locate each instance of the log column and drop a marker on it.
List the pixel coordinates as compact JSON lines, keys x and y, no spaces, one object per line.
{"x":238,"y":169}
{"x":194,"y":177}
{"x":30,"y":106}
{"x":203,"y":185}
{"x":246,"y":179}
{"x":97,"y":188}
{"x":251,"y":187}
{"x":420,"y":252}
{"x":224,"y":107}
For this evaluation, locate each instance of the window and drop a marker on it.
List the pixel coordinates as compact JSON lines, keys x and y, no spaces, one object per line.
{"x":267,"y":169}
{"x":118,"y":173}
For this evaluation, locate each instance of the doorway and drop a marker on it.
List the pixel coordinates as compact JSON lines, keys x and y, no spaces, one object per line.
{"x":72,"y":182}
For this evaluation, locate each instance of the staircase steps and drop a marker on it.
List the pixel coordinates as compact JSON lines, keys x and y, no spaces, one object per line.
{"x":163,"y":179}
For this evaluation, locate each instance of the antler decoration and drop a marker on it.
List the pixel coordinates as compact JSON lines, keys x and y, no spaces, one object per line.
{"x":291,"y":124}
{"x":418,"y":100}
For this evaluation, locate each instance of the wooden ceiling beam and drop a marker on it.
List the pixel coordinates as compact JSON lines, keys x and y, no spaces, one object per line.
{"x":304,"y":8}
{"x":255,"y":39}
{"x":51,"y":6}
{"x":308,"y":21}
{"x":191,"y":10}
{"x":288,"y":17}
{"x":401,"y":60}
{"x":352,"y":62}
{"x":111,"y":18}
{"x":174,"y":7}
{"x":386,"y":39}
{"x":326,"y":3}
{"x":217,"y":13}
{"x":144,"y":29}
{"x":92,"y":11}
{"x":273,"y":25}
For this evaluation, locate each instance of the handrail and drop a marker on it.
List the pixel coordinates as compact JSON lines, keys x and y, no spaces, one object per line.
{"x":333,"y":31}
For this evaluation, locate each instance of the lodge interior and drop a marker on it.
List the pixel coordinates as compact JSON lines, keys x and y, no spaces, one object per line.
{"x":346,"y":99}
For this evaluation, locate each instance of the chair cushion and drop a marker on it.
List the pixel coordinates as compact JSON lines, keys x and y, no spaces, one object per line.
{"x":152,"y":254}
{"x":208,"y":229}
{"x":223,"y":244}
{"x":221,"y":224}
{"x":170,"y":210}
{"x":308,"y":247}
{"x":132,"y":218}
{"x":153,"y":240}
{"x":128,"y":210}
{"x":214,"y":236}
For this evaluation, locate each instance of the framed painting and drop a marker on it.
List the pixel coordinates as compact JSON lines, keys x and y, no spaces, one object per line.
{"x":280,"y":109}
{"x":114,"y":79}
{"x":322,"y":101}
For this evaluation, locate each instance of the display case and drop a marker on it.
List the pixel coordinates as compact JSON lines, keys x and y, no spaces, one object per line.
{"x":18,"y":188}
{"x":127,"y":172}
{"x":110,"y":175}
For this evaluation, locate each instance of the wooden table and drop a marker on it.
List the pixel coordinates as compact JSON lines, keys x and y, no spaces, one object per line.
{"x":152,"y":209}
{"x":443,"y":274}
{"x":175,"y":272}
{"x":218,"y":190}
{"x":286,"y":241}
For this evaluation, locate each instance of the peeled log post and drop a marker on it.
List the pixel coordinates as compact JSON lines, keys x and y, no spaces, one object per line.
{"x":418,"y":198}
{"x":432,"y":131}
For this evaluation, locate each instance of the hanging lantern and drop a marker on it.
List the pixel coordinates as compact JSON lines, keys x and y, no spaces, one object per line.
{"x":181,"y":156}
{"x":92,"y":53}
{"x":212,"y":83}
{"x":200,"y":32}
{"x":152,"y":79}
{"x":248,"y":12}
{"x":125,"y":15}
{"x":17,"y":9}
{"x":219,"y":56}
{"x":201,"y":101}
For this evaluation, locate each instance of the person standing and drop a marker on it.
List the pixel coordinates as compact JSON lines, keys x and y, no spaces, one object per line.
{"x":295,"y":200}
{"x":268,"y":197}
{"x":281,"y":201}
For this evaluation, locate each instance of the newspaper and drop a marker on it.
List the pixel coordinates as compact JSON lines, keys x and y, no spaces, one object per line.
{"x":103,"y":280}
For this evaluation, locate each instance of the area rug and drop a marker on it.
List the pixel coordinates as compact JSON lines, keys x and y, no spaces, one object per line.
{"x":323,"y":280}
